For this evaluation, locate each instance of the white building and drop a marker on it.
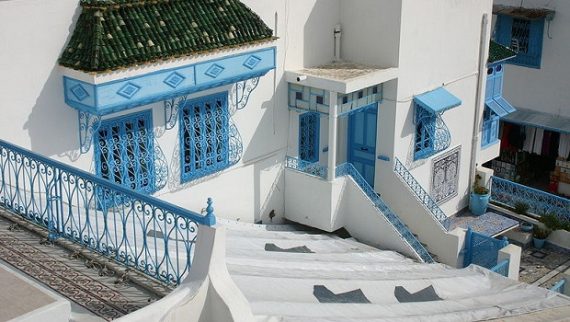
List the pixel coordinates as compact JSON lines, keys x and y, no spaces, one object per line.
{"x":364,"y":114}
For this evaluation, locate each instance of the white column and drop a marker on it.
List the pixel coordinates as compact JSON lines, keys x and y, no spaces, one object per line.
{"x":333,"y":112}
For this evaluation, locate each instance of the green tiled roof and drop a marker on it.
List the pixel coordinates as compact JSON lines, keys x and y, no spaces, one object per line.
{"x":498,"y":52}
{"x":112,"y":34}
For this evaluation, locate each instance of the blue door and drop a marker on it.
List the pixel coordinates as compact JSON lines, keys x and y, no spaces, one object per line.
{"x":362,"y":141}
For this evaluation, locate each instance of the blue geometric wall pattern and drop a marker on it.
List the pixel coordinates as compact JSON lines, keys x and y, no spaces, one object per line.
{"x":161,"y":85}
{"x":79,"y":92}
{"x":174,"y":79}
{"x":252,"y":61}
{"x":129,"y":90}
{"x":214,"y":71}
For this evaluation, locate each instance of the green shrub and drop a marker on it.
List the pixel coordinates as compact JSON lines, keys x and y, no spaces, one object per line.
{"x":521,"y":208}
{"x":552,"y":222}
{"x":540,"y":233}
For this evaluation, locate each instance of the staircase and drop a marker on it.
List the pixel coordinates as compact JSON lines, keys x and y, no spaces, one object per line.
{"x":290,"y":275}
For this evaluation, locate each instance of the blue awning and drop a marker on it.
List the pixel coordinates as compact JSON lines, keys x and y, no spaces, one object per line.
{"x":437,"y":101}
{"x":499,"y":106}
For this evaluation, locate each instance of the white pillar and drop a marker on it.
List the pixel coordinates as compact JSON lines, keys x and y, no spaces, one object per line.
{"x":333,"y":112}
{"x":513,"y":254}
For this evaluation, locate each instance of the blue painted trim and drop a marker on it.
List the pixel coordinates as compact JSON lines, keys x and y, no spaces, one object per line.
{"x":220,"y":159}
{"x":111,"y":105}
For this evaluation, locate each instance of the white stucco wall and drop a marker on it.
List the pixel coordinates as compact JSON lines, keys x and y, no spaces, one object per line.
{"x":36,"y":117}
{"x":544,"y":89}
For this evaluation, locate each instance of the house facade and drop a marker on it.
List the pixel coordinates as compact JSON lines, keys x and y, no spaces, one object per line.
{"x":365,"y":115}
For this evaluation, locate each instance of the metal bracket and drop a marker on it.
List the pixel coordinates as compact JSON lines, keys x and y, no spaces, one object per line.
{"x":171,"y":108}
{"x":88,"y":125}
{"x":244,"y":90}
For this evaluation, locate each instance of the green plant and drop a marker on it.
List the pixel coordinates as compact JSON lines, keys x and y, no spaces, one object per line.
{"x":479,"y":189}
{"x":521,"y":208}
{"x":552,"y":222}
{"x":540,"y":233}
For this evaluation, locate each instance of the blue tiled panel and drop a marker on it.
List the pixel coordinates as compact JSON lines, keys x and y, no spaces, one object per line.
{"x":110,"y":97}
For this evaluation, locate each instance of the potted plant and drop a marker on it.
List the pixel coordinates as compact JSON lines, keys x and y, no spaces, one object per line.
{"x":539,"y":237}
{"x":479,"y":198}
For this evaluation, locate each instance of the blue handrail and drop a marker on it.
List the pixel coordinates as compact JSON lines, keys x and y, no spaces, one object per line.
{"x":347,"y":169}
{"x":510,"y":193}
{"x":134,"y":229}
{"x":311,"y":168}
{"x":502,"y":268}
{"x":421,"y":194}
{"x":559,"y":286}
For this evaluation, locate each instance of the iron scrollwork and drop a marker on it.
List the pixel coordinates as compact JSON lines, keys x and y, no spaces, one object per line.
{"x":88,"y":125}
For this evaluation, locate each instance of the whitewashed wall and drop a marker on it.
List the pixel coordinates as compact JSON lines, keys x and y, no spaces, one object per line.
{"x":32,"y":36}
{"x":434,"y":52}
{"x":544,"y":89}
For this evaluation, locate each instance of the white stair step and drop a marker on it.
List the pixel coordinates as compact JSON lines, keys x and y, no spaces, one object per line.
{"x":344,"y":257}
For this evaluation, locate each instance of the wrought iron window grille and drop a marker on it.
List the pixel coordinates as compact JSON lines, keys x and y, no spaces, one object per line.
{"x":524,"y":36}
{"x":431,"y":133}
{"x":309,"y":124}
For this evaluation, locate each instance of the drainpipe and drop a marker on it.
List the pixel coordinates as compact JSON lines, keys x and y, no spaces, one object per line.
{"x":333,"y":116}
{"x":478,"y":99}
{"x":337,"y":35}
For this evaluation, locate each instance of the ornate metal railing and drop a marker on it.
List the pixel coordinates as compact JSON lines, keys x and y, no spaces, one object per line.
{"x":421,"y":194}
{"x":347,"y":169}
{"x":502,"y":268}
{"x":559,"y":286}
{"x":136,"y":230}
{"x":482,"y":250}
{"x":312,"y":168}
{"x":510,"y":193}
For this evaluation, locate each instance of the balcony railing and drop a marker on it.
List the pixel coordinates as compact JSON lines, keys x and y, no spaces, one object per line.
{"x":312,"y":168}
{"x":510,"y":194}
{"x":136,"y":230}
{"x":421,"y":194}
{"x":347,"y":169}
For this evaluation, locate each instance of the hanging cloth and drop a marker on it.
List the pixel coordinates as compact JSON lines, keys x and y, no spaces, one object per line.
{"x":528,"y":144}
{"x":546,"y":143}
{"x":537,"y":148}
{"x":564,"y":146}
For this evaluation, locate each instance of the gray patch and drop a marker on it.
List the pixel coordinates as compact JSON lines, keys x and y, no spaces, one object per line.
{"x":270,"y":247}
{"x":324,"y":295}
{"x":155,"y":233}
{"x":428,"y":294}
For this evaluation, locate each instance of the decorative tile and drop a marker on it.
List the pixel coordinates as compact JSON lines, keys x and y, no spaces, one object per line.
{"x":79,"y":92}
{"x":252,"y":61}
{"x":214,"y":71}
{"x":174,"y":80}
{"x":129,"y":90}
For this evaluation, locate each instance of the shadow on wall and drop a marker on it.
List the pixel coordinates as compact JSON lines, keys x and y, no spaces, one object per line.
{"x":318,"y":42}
{"x":266,"y":150}
{"x":53,"y":125}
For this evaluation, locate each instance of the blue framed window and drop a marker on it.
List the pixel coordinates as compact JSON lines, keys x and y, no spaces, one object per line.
{"x":204,"y":136}
{"x":124,"y":152}
{"x":490,"y":128}
{"x":309,"y":136}
{"x":424,"y":140}
{"x":524,"y":36}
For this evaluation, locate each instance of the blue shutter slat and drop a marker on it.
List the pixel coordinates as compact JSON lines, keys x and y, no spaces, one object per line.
{"x":503,"y":30}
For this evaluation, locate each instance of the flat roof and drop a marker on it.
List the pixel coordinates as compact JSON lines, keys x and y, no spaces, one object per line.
{"x":342,"y":76}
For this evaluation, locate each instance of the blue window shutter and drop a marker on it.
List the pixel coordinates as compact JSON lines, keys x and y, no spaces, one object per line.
{"x":503,"y":30}
{"x":536,"y":36}
{"x":494,"y":135}
{"x":490,"y":87}
{"x":498,"y":84}
{"x":309,"y":136}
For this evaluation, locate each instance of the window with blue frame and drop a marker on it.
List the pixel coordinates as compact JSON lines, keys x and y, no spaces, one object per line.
{"x":524,"y":36}
{"x":309,"y":136}
{"x":425,"y":133}
{"x":124,"y":151}
{"x":204,"y":136}
{"x":490,"y":128}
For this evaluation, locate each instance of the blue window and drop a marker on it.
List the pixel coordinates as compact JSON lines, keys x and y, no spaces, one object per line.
{"x":204,"y":136}
{"x":524,"y":36}
{"x":425,"y":133}
{"x":309,"y":136}
{"x":490,"y":129}
{"x":124,"y":152}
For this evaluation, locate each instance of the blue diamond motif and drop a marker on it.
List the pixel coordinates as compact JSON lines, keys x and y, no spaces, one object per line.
{"x":174,"y":79}
{"x":79,"y":92}
{"x":251,"y":61}
{"x":129,"y":90}
{"x":214,"y":71}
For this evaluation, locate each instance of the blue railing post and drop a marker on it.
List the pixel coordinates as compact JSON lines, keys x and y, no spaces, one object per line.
{"x":210,"y":217}
{"x":468,"y":248}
